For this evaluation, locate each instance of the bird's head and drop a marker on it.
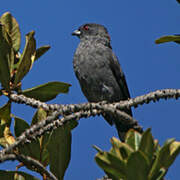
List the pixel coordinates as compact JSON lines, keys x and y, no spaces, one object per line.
{"x":91,"y":30}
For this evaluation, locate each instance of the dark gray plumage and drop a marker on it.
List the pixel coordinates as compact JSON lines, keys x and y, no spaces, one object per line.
{"x":99,"y":72}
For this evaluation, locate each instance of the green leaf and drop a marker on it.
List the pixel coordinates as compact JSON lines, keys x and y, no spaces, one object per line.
{"x":46,"y":92}
{"x":137,"y":167}
{"x":5,"y":114}
{"x":20,"y":126}
{"x":71,"y":124}
{"x":97,"y":149}
{"x":32,"y":149}
{"x":164,"y":158}
{"x":40,"y":51}
{"x":162,"y":173}
{"x":157,"y":147}
{"x":171,"y":38}
{"x":16,"y":175}
{"x":3,"y":142}
{"x":121,"y":150}
{"x":111,"y":164}
{"x":27,"y":58}
{"x":147,"y":145}
{"x":59,"y":148}
{"x":116,"y":144}
{"x":2,"y":127}
{"x":174,"y":152}
{"x":44,"y":157}
{"x":133,"y":139}
{"x":12,"y":28}
{"x":5,"y":59}
{"x":39,"y":115}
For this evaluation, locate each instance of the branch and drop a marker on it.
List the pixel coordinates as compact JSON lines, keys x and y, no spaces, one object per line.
{"x":50,"y":124}
{"x":30,"y":163}
{"x":47,"y":125}
{"x":71,"y":108}
{"x":147,"y":98}
{"x":85,"y":110}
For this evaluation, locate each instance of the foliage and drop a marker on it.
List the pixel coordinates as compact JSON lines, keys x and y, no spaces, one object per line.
{"x":140,"y":157}
{"x":14,"y":66}
{"x":170,"y":38}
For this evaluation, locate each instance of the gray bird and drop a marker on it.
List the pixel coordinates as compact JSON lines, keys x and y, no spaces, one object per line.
{"x":99,"y":72}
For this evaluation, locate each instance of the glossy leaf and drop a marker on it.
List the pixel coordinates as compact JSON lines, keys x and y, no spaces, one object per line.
{"x":125,"y":151}
{"x":40,"y":51}
{"x":3,"y":142}
{"x":71,"y":124}
{"x":27,"y":58}
{"x":13,"y":30}
{"x":41,"y":115}
{"x":44,"y":154}
{"x":8,"y":136}
{"x":2,"y":127}
{"x":13,"y":175}
{"x":162,"y":173}
{"x":20,"y":126}
{"x":147,"y":145}
{"x":5,"y":59}
{"x":5,"y":114}
{"x":137,"y":167}
{"x":59,"y":148}
{"x":46,"y":92}
{"x":163,"y":159}
{"x":121,"y":150}
{"x":174,"y":149}
{"x":133,"y":139}
{"x":32,"y":149}
{"x":171,"y":38}
{"x":156,"y":146}
{"x":116,"y":144}
{"x":97,"y":149}
{"x":111,"y":164}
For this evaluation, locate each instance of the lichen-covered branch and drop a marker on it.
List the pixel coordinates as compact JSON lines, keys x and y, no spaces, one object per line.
{"x":77,"y":111}
{"x":52,"y":122}
{"x":71,"y":108}
{"x":29,"y":163}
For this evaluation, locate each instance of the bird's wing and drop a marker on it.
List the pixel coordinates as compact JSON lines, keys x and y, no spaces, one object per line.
{"x":121,"y":80}
{"x":119,"y":75}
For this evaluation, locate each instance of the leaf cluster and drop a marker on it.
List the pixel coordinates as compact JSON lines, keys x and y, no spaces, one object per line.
{"x":14,"y":66}
{"x":140,"y":157}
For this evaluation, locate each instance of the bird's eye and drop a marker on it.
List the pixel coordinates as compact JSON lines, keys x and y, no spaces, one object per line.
{"x":86,"y":27}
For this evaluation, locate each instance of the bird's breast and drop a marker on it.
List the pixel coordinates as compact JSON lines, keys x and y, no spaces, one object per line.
{"x":93,"y":73}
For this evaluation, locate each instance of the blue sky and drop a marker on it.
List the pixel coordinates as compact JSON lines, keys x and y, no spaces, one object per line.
{"x":133,"y":26}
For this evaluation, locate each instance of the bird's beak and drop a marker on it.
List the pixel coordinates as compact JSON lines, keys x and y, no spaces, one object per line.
{"x":76,"y":33}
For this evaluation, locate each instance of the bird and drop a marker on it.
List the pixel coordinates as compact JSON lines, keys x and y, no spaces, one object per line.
{"x":99,"y":72}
